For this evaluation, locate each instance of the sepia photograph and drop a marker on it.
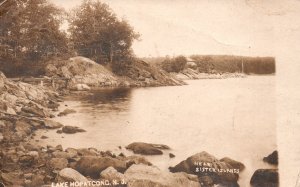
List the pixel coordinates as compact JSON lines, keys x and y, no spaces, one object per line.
{"x":147,"y":93}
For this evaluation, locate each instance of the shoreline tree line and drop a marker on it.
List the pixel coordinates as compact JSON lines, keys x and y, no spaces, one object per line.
{"x":31,"y":34}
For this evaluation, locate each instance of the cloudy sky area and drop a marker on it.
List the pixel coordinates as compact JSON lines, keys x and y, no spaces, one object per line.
{"x":172,"y":27}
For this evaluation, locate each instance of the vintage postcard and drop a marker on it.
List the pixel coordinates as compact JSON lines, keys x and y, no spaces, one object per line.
{"x":162,"y":93}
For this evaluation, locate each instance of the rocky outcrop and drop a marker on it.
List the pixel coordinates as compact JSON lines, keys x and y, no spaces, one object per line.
{"x":92,"y":166}
{"x":141,"y":175}
{"x":209,"y":169}
{"x":141,"y":73}
{"x":265,"y":178}
{"x":84,"y":74}
{"x":81,"y":71}
{"x":272,"y":158}
{"x":147,"y":148}
{"x":25,"y":99}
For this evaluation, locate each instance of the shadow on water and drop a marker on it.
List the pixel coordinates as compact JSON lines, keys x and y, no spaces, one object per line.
{"x":108,"y":99}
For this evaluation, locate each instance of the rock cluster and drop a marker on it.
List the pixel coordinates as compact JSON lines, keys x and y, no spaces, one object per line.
{"x":224,"y":171}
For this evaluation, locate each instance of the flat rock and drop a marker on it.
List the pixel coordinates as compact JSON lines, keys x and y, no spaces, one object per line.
{"x":52,"y":124}
{"x":265,"y":178}
{"x":70,"y":175}
{"x":147,"y":148}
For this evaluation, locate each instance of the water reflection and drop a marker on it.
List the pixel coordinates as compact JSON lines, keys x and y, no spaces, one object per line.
{"x":107,"y":100}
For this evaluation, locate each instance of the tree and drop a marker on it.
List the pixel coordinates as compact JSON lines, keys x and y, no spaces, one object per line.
{"x":30,"y":32}
{"x":97,"y":33}
{"x":176,"y":64}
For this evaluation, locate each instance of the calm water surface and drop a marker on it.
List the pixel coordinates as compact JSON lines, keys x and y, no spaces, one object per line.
{"x":229,"y":117}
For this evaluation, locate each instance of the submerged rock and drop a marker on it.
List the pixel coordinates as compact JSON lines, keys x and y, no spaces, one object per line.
{"x":142,"y":175}
{"x":272,"y":158}
{"x":130,"y":160}
{"x":171,"y":155}
{"x":147,"y":148}
{"x":93,"y":166}
{"x":81,"y":87}
{"x":265,"y":178}
{"x":71,"y":129}
{"x":217,"y":172}
{"x":66,"y":112}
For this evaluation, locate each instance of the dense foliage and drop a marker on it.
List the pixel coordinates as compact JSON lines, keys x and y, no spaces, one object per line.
{"x":97,"y":33}
{"x":175,"y":64}
{"x":30,"y":33}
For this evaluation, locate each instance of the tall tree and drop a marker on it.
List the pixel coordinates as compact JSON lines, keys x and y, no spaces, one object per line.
{"x":97,"y":33}
{"x":30,"y":32}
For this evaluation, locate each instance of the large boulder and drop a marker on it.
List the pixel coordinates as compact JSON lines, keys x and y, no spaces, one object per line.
{"x":12,"y":179}
{"x":93,"y":166}
{"x":265,"y":178}
{"x":70,"y":175}
{"x":233,"y":163}
{"x":111,"y":174}
{"x":272,"y":158}
{"x":142,"y":175}
{"x":209,"y":169}
{"x":147,"y":148}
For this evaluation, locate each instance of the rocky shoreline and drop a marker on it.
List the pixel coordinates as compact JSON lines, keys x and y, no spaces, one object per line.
{"x":194,"y":74}
{"x":80,"y":73}
{"x":25,"y":108}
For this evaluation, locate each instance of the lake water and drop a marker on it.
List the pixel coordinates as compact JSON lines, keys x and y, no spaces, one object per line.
{"x":224,"y":117}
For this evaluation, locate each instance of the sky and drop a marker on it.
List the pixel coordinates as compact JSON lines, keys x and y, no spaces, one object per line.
{"x":174,"y":27}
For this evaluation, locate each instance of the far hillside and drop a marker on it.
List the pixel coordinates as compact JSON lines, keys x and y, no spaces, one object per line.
{"x":232,"y":64}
